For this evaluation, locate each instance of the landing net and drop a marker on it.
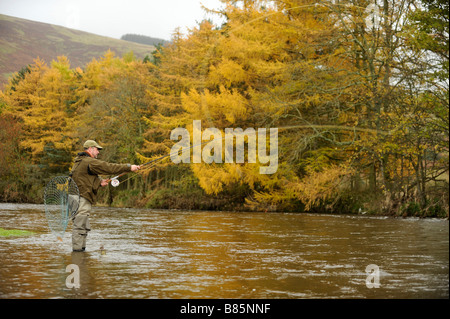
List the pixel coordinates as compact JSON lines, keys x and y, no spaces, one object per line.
{"x":61,"y":200}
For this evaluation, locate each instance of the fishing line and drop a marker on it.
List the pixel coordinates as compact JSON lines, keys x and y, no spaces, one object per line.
{"x":115,"y":180}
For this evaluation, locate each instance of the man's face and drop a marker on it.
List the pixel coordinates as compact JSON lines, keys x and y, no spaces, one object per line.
{"x":93,"y":151}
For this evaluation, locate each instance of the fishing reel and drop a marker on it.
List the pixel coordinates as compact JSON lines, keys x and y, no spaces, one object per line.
{"x":115,"y":182}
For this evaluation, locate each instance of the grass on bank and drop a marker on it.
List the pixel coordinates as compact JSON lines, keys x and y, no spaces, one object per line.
{"x":14,"y":232}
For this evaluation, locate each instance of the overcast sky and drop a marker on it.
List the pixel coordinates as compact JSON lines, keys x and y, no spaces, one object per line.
{"x":114,"y":18}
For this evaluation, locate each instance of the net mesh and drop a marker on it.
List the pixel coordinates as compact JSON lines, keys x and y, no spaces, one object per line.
{"x":61,"y":200}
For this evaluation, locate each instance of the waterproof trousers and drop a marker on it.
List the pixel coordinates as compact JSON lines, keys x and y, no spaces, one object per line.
{"x":81,"y":225}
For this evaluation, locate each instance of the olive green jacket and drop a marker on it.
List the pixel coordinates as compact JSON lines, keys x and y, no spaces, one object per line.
{"x":85,"y":173}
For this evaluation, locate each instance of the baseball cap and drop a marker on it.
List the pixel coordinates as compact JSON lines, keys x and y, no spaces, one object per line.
{"x":91,"y":143}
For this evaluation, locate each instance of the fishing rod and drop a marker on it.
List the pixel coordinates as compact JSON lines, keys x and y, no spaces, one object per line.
{"x":115,"y":180}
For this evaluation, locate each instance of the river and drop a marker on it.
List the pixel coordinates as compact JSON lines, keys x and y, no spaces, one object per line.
{"x":199,"y":254}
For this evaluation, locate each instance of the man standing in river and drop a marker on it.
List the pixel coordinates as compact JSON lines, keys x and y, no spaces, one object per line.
{"x":85,"y":173}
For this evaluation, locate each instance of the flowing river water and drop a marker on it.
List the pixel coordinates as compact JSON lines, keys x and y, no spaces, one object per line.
{"x":199,"y":254}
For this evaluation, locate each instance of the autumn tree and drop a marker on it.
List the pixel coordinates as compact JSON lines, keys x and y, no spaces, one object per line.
{"x":38,"y":101}
{"x":12,"y":163}
{"x":42,"y":103}
{"x":115,"y":106}
{"x":427,"y":128}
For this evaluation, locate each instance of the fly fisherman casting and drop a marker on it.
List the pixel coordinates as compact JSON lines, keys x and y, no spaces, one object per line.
{"x":85,"y":173}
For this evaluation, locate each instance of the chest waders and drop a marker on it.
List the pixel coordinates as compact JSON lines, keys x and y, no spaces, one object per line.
{"x":81,"y":224}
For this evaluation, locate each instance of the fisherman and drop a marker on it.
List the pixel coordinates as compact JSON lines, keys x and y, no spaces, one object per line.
{"x":85,"y":173}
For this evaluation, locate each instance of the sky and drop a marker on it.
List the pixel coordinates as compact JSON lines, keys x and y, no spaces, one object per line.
{"x":114,"y":18}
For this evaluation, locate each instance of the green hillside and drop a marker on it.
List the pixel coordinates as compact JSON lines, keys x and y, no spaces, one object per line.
{"x":22,"y":40}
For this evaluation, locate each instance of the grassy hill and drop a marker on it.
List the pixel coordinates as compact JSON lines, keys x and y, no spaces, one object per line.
{"x":22,"y":41}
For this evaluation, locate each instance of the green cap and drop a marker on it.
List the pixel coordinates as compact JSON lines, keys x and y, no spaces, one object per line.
{"x":91,"y":143}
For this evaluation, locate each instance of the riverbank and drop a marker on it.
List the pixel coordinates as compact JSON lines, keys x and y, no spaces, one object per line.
{"x":359,"y":204}
{"x":196,"y":199}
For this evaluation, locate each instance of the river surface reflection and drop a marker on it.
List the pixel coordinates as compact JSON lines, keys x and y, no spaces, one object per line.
{"x":198,"y":254}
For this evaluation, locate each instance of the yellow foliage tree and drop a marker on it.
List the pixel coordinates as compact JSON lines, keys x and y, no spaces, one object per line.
{"x":42,"y":103}
{"x":249,"y":74}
